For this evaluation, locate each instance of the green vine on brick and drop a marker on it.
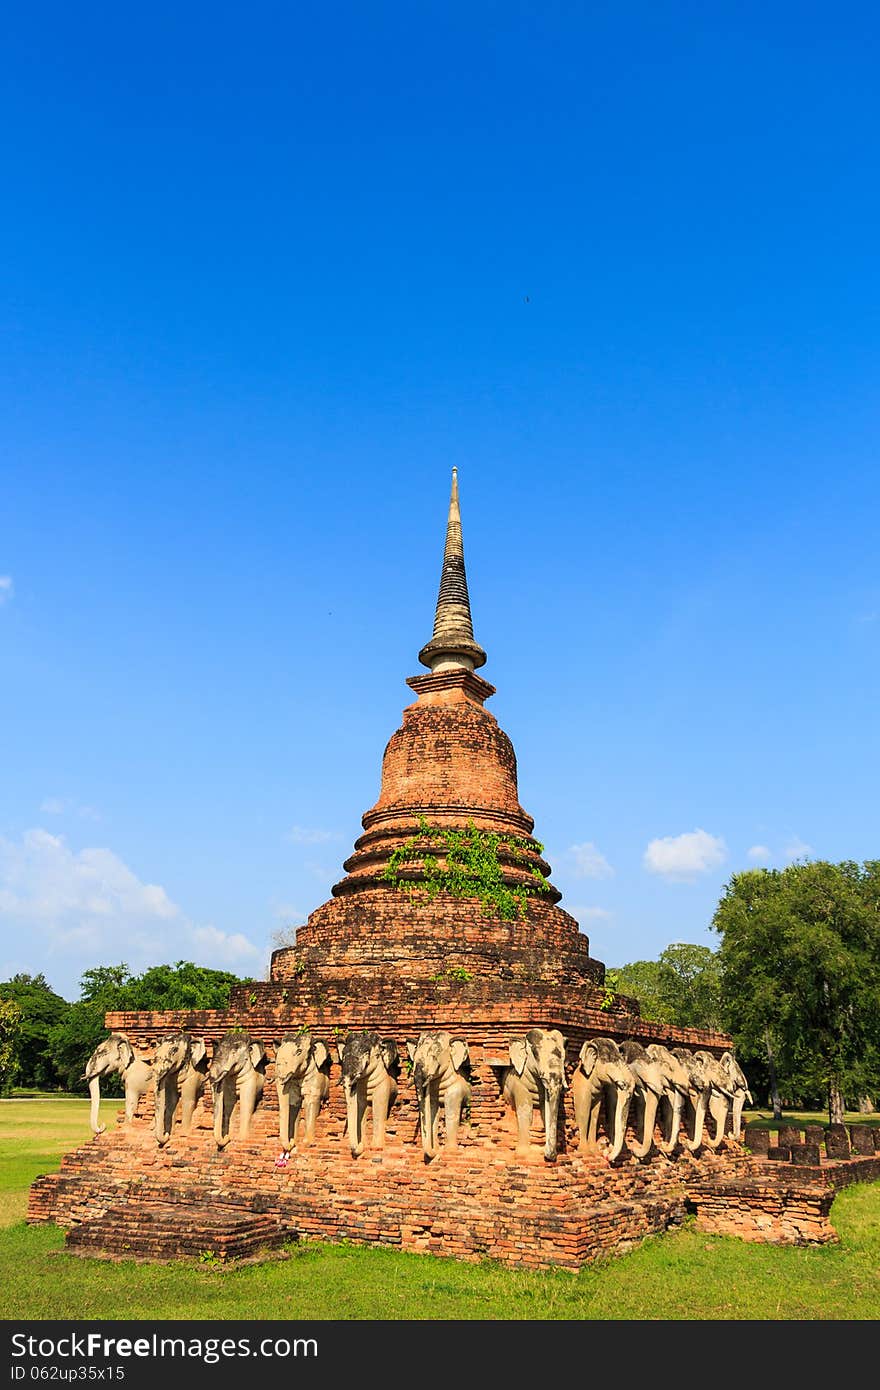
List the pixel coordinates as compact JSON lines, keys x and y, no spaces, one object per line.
{"x":609,"y":997}
{"x":471,"y":868}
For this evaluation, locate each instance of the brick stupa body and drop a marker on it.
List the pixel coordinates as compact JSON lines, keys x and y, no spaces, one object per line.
{"x":384,"y":954}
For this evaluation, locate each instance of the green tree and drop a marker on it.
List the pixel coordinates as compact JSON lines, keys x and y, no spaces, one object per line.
{"x":640,"y":979}
{"x":800,"y":958}
{"x":10,"y":1034}
{"x":181,"y":986}
{"x":682,"y":987}
{"x":41,"y":1009}
{"x":689,"y":981}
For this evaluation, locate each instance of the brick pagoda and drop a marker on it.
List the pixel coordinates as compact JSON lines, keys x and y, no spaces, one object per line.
{"x":386,"y":955}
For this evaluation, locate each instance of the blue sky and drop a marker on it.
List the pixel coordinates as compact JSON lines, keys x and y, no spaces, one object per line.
{"x":266,"y":277}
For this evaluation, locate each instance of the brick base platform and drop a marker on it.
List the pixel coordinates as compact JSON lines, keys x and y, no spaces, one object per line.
{"x":474,"y":1202}
{"x":781,"y":1203}
{"x":120,"y":1194}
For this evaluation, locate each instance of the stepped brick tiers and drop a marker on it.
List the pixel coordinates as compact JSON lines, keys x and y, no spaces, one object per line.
{"x":436,"y":1063}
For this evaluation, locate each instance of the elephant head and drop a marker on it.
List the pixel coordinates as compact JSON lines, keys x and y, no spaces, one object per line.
{"x":370,"y":1066}
{"x":179,"y":1069}
{"x":116,"y":1054}
{"x":648,"y":1093}
{"x":234,"y":1075}
{"x":537,"y":1078}
{"x":676,"y":1085}
{"x":741,"y":1092}
{"x":440,"y":1063}
{"x":704,"y":1074}
{"x":302,"y":1084}
{"x":602,"y":1077}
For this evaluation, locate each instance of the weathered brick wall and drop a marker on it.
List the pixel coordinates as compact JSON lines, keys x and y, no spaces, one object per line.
{"x":401,"y":1011}
{"x":474,"y":1202}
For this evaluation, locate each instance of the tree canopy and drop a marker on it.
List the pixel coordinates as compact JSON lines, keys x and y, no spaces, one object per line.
{"x":41,"y":1009}
{"x":800,"y":961}
{"x":10,"y":1034}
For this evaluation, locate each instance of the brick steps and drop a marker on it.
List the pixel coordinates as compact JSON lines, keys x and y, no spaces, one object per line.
{"x":177,"y":1230}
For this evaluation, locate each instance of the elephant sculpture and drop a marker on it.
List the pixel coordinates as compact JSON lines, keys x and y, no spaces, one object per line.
{"x":649,"y":1091}
{"x":602,"y":1077}
{"x":303,"y":1085}
{"x":536,"y":1079}
{"x":439,"y":1064}
{"x":676,"y":1084}
{"x":116,"y":1054}
{"x":710,"y":1090}
{"x":741,"y":1092}
{"x":179,"y":1068}
{"x":235,"y":1074}
{"x":370,"y":1067}
{"x":721,"y":1096}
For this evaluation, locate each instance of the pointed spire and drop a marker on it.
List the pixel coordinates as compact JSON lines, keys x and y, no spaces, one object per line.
{"x":452,"y":645}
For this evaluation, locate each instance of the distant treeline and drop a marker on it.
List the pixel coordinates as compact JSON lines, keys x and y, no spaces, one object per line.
{"x":45,"y":1040}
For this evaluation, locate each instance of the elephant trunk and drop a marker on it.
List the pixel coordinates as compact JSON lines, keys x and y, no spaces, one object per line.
{"x":354,"y":1114}
{"x":427,"y":1102}
{"x":220,"y":1138}
{"x":95,"y":1094}
{"x":676,"y":1105}
{"x":284,"y":1118}
{"x":618,"y":1122}
{"x":700,"y":1103}
{"x":738,"y":1107}
{"x":649,"y":1107}
{"x":163,"y":1130}
{"x":719,"y":1106}
{"x":551,"y":1111}
{"x":427,"y":1109}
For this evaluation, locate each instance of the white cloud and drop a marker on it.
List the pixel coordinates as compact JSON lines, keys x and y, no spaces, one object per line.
{"x":288,"y":912}
{"x":63,"y":805}
{"x":7,"y":589}
{"x":67,"y":910}
{"x":303,"y":835}
{"x":42,"y":880}
{"x":682,"y":858}
{"x":796,"y":848}
{"x":589,"y":861}
{"x":225,"y":948}
{"x":760,"y":853}
{"x":599,"y":913}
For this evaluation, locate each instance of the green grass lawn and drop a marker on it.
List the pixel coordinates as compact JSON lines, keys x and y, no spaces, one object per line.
{"x":680,"y":1276}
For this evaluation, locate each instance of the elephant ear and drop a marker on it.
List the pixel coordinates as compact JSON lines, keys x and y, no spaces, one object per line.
{"x":198,"y":1051}
{"x":390,"y":1054}
{"x":411,"y":1049}
{"x":458,"y":1051}
{"x":126,"y":1051}
{"x":589,"y":1055}
{"x":256,"y":1052}
{"x":320,"y":1054}
{"x":518,"y":1055}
